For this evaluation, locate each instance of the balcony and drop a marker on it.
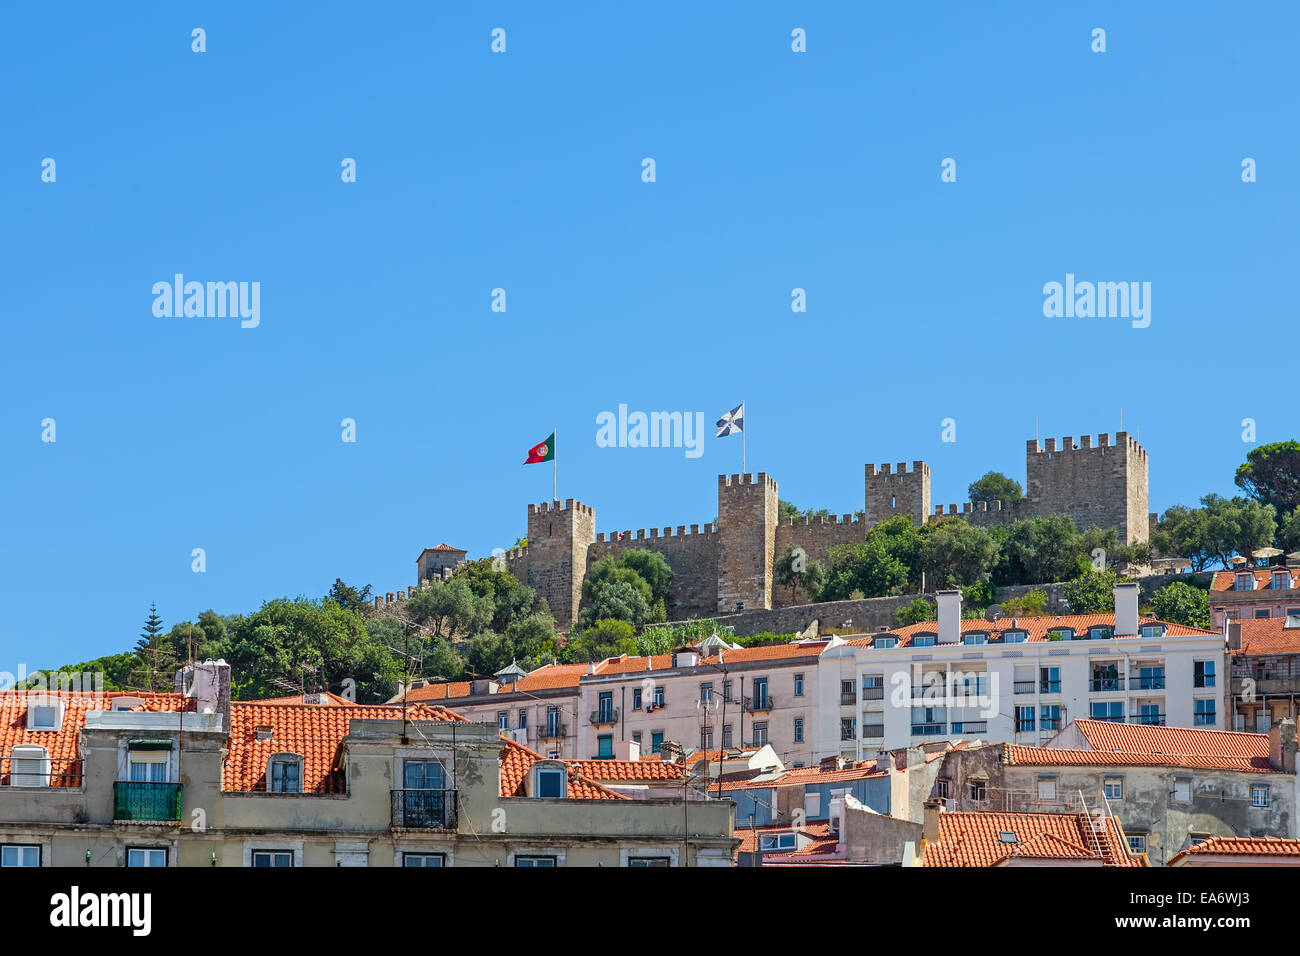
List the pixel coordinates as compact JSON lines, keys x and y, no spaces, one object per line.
{"x":849,"y":699}
{"x":39,"y":772}
{"x":138,"y":801}
{"x":551,"y":731}
{"x":873,"y":731}
{"x":424,"y":809}
{"x":1155,"y":720}
{"x":873,"y":693}
{"x":848,"y":733}
{"x":1051,"y":687}
{"x":1154,"y":682}
{"x":758,"y":705}
{"x":1025,"y":686}
{"x":971,"y":727}
{"x":1106,"y":684}
{"x":929,"y":730}
{"x":604,"y":715}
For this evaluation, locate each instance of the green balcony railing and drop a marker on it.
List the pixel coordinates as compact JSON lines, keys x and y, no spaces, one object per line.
{"x":139,"y":801}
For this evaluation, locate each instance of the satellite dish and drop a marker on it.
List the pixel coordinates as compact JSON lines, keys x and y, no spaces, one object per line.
{"x":993,"y":612}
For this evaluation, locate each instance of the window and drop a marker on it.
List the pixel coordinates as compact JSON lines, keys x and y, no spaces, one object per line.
{"x":1100,"y":633}
{"x":1113,"y":788}
{"x":1245,"y":582}
{"x":523,"y":718}
{"x":605,"y":708}
{"x":148,"y":766}
{"x":44,"y":715}
{"x":423,"y":859}
{"x":1151,"y":677}
{"x":1049,"y":717}
{"x":706,"y":738}
{"x":636,"y":699}
{"x":1046,"y":788}
{"x":975,"y":637}
{"x":1203,"y":675}
{"x":1025,"y":719}
{"x":659,"y":696}
{"x":272,"y":858}
{"x":1014,"y":637}
{"x":923,"y":640}
{"x":503,"y":720}
{"x":760,"y":734}
{"x":943,"y":788}
{"x":777,"y":842}
{"x":649,"y":861}
{"x":604,"y":746}
{"x":1153,"y":630}
{"x":798,"y":730}
{"x":1259,"y":795}
{"x":760,"y":693}
{"x":1061,"y":634}
{"x":977,"y":790}
{"x":550,"y":783}
{"x":726,"y":735}
{"x":1281,"y":580}
{"x":636,"y":737}
{"x":848,"y":728}
{"x":798,"y":685}
{"x":1137,"y":842}
{"x":1112,"y":710}
{"x":1203,"y":714}
{"x":29,"y":766}
{"x":15,"y":854}
{"x":884,"y":643}
{"x":534,"y":861}
{"x":146,"y":856}
{"x":1182,"y":790}
{"x":849,"y":688}
{"x":656,"y":740}
{"x":726,"y":691}
{"x":706,"y":691}
{"x":1050,"y":680}
{"x":285,"y":775}
{"x":1261,"y":612}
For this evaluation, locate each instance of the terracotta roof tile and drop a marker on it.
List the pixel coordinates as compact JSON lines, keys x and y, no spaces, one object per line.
{"x":1267,"y":635}
{"x":516,"y":760}
{"x":1177,"y":741}
{"x":1262,"y":847}
{"x":1226,"y":580}
{"x":975,"y":839}
{"x":627,"y":770}
{"x":1035,"y":628}
{"x":820,"y":842}
{"x":309,"y":730}
{"x":1021,"y":755}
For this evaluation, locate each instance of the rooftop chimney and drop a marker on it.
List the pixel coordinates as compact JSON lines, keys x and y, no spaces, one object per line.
{"x":1126,"y":610}
{"x":627,"y":750}
{"x":949,"y":617}
{"x":1282,"y":745}
{"x":1234,"y":635}
{"x":930,"y":828}
{"x":211,"y":690}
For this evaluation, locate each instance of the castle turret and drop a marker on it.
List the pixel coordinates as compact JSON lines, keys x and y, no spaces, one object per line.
{"x":1101,"y":484}
{"x":558,"y":539}
{"x":747,"y":510}
{"x":890,"y":493}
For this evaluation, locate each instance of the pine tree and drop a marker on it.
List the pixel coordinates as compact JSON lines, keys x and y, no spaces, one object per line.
{"x":156,"y":660}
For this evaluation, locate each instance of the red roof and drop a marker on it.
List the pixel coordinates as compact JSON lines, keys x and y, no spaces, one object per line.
{"x":517,"y":760}
{"x":1267,"y":635}
{"x":630,"y":771}
{"x":820,"y":843}
{"x":976,"y":839}
{"x":1035,"y":628}
{"x":1227,"y":580}
{"x":1261,"y":847}
{"x":1018,"y":754}
{"x":1172,"y":741}
{"x":311,"y":731}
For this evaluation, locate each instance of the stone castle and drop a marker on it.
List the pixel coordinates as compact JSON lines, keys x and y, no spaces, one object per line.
{"x":719,"y":568}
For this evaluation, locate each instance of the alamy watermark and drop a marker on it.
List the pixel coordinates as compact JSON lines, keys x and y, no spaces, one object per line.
{"x":1102,"y":300}
{"x":651,"y":430}
{"x":212,"y":300}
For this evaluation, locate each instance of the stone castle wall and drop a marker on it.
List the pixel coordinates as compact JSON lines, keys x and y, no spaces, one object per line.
{"x":692,"y":554}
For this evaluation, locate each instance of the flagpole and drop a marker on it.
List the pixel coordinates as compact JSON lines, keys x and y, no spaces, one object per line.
{"x":555,"y":469}
{"x":742,"y":442}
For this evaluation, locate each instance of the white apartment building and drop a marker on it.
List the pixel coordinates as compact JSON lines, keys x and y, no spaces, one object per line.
{"x":1015,"y":681}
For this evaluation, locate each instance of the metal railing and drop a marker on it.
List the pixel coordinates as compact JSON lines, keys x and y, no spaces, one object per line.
{"x":873,"y":731}
{"x":424,"y":809}
{"x":849,"y":699}
{"x":759,"y":704}
{"x":604,"y":715}
{"x":1106,"y":684}
{"x":551,"y":731}
{"x":1157,"y":720}
{"x":1154,"y":682}
{"x":873,"y":693}
{"x":145,"y":801}
{"x":39,"y":772}
{"x":1050,"y":686}
{"x":928,"y":730}
{"x":1025,"y":686}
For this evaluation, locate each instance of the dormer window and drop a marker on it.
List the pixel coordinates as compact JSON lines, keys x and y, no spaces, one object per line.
{"x":884,"y":643}
{"x":127,"y":703}
{"x":284,"y":773}
{"x":1281,"y":580}
{"x":1245,"y":582}
{"x":1100,"y":633}
{"x":1153,"y":630}
{"x":29,"y":766}
{"x":44,"y":714}
{"x":1014,"y":637}
{"x":550,"y":782}
{"x":263,"y":732}
{"x":923,"y":640}
{"x":1061,"y":634}
{"x":975,"y":637}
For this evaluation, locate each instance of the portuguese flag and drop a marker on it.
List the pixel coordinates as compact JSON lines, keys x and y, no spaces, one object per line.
{"x":543,"y":452}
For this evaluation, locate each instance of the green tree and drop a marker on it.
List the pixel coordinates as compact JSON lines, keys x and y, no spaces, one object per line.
{"x":917,"y":610}
{"x":448,"y":609}
{"x":349,"y":597}
{"x":1271,"y":475}
{"x":156,"y":661}
{"x":867,"y":568}
{"x":652,"y":568}
{"x":902,"y":540}
{"x":1093,"y":592}
{"x":1180,"y":603}
{"x":533,"y":636}
{"x":955,"y":553}
{"x":619,"y":599}
{"x":1182,"y":532}
{"x":995,"y":486}
{"x":1238,"y":526}
{"x":511,"y":599}
{"x":1033,"y":604}
{"x":487,"y":653}
{"x":1041,"y":550}
{"x":798,"y":572}
{"x":1288,"y":532}
{"x":608,"y":571}
{"x":606,"y":637}
{"x":789,"y":511}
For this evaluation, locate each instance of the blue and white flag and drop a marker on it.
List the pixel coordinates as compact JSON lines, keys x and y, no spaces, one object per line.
{"x":732,"y":422}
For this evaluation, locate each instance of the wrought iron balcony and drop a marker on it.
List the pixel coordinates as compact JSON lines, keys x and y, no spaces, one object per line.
{"x":139,"y":801}
{"x":424,"y":809}
{"x":1153,"y":719}
{"x":758,"y":705}
{"x":1025,"y":686}
{"x":551,"y":731}
{"x":873,"y":693}
{"x":849,"y":699}
{"x":604,"y":715}
{"x":1103,"y":684}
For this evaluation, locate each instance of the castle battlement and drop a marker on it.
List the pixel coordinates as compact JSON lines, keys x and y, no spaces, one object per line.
{"x":1123,"y":440}
{"x":918,"y":468}
{"x":804,"y":520}
{"x":554,"y":507}
{"x":654,"y":534}
{"x":762,"y":479}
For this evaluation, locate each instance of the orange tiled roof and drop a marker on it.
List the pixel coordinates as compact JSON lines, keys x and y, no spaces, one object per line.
{"x":820,"y":843}
{"x":1227,"y":580}
{"x":443,"y":691}
{"x":309,"y":730}
{"x":975,"y":839}
{"x":1262,"y":847}
{"x":627,"y":770}
{"x":1035,"y":628}
{"x":330,"y":700}
{"x":1019,"y":754}
{"x":516,"y":760}
{"x":1176,"y":741}
{"x":1267,"y":635}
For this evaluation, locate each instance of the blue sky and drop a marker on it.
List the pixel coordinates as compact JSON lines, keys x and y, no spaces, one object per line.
{"x":522,"y":171}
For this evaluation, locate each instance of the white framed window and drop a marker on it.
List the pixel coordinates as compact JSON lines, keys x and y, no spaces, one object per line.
{"x":1153,"y":630}
{"x":272,"y":858}
{"x":1137,"y":842}
{"x":284,"y":773}
{"x":29,"y":766}
{"x":551,"y":783}
{"x":777,"y":842}
{"x":1245,"y":582}
{"x":1182,"y":790}
{"x":1047,"y":788}
{"x":535,"y":861}
{"x":649,"y":861}
{"x":19,"y":854}
{"x":424,"y":859}
{"x":146,"y":856}
{"x":1113,"y":787}
{"x":1259,"y":795}
{"x":44,"y":713}
{"x":147,"y":766}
